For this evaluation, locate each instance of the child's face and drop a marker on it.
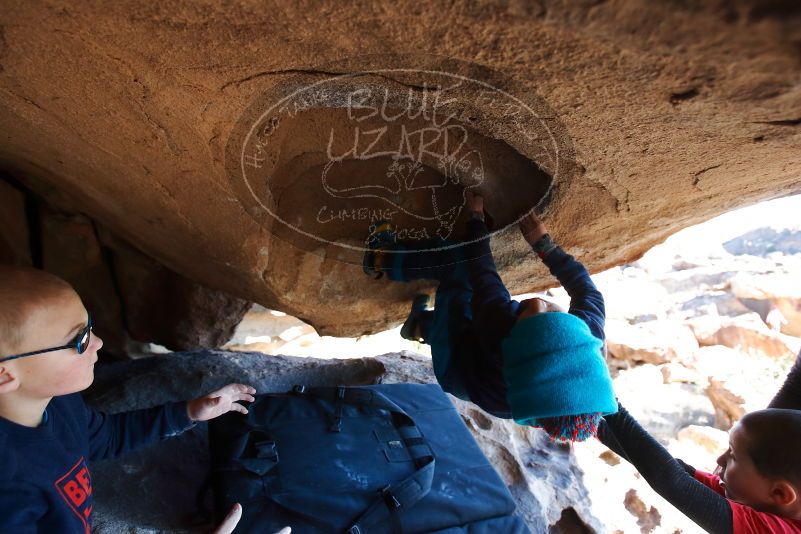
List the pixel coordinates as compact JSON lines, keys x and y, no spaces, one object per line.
{"x":51,"y":324}
{"x":533,"y":306}
{"x":742,"y":482}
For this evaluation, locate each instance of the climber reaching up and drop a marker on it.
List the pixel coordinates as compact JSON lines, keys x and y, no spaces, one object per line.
{"x":529,"y":360}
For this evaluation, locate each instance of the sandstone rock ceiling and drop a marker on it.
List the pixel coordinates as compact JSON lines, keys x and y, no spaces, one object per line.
{"x":249,"y":145}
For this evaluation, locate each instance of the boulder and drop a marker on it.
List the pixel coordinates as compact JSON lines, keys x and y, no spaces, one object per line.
{"x":163,"y":307}
{"x":201,"y":135}
{"x":662,"y":408}
{"x":631,"y":294}
{"x":746,"y":333}
{"x":14,"y":235}
{"x":262,"y":325}
{"x":675,"y":372}
{"x":765,"y":241}
{"x":778,"y":290}
{"x":696,"y":280}
{"x":133,"y":298}
{"x":655,"y":342}
{"x":712,"y":440}
{"x":71,"y":250}
{"x":161,"y":488}
{"x":713,"y":302}
{"x":648,"y":518}
{"x":699,"y":446}
{"x":729,"y":406}
{"x":270,"y":332}
{"x":623,"y":498}
{"x":738,"y":382}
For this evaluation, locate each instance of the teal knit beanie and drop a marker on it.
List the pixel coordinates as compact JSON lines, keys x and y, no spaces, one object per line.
{"x":554,"y":369}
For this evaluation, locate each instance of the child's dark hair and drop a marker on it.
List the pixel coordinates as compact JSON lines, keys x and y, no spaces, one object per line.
{"x":774,"y":443}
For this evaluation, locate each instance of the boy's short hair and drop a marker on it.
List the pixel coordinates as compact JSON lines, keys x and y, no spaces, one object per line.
{"x":21,"y":290}
{"x":774,"y":443}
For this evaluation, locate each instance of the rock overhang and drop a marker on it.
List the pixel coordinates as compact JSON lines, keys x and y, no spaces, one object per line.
{"x":676,"y":113}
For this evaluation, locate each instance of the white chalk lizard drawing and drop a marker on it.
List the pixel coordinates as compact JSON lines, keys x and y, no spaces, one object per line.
{"x":406,"y":175}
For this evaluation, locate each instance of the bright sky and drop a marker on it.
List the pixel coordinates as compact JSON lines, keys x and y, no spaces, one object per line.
{"x":778,"y":214}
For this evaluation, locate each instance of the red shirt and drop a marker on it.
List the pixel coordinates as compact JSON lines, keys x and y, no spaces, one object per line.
{"x":747,"y":520}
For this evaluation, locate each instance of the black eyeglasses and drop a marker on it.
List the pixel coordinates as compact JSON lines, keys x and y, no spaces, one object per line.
{"x":80,"y":343}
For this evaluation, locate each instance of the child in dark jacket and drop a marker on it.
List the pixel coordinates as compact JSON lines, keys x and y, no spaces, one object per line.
{"x":526,"y":360}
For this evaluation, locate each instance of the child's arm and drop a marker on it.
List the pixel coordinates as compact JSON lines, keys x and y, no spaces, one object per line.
{"x":492,"y":304}
{"x":586,"y":302}
{"x":789,"y":396}
{"x":113,"y":435}
{"x":669,"y":477}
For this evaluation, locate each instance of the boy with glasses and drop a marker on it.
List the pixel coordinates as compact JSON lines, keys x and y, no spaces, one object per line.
{"x":47,"y":433}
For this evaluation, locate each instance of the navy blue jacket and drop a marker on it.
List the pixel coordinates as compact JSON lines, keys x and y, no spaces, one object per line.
{"x":477,"y":355}
{"x":44,"y":480}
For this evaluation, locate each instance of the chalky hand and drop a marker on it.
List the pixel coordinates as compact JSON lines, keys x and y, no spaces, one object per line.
{"x":220,"y":402}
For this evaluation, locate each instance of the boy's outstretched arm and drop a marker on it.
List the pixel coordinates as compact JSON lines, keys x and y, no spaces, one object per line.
{"x":113,"y":435}
{"x":586,"y":302}
{"x":669,"y":477}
